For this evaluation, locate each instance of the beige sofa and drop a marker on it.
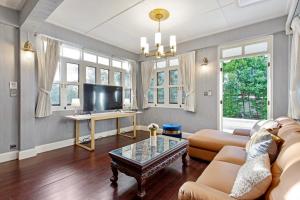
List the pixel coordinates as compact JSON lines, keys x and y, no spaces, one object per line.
{"x":228,"y":154}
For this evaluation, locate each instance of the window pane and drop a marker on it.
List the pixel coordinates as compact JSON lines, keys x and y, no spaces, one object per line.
{"x":173,"y":62}
{"x":152,"y":83}
{"x":117,"y":78}
{"x":236,"y":51}
{"x":72,"y":93}
{"x":160,"y":78}
{"x":55,"y":94}
{"x":151,"y":95}
{"x":127,"y":97}
{"x":160,"y":95}
{"x":90,"y":75}
{"x":173,"y":77}
{"x":104,"y":76}
{"x":57,"y":74}
{"x":256,"y":48}
{"x":161,"y":64}
{"x":126,"y":66}
{"x":89,"y":57}
{"x":173,"y":95}
{"x":116,"y":63}
{"x":69,"y":52}
{"x":127,"y":80}
{"x":103,"y":60}
{"x":72,"y":72}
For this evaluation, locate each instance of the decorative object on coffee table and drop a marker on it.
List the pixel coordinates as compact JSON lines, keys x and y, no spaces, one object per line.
{"x":141,"y":162}
{"x":173,"y":130}
{"x":153,"y":129}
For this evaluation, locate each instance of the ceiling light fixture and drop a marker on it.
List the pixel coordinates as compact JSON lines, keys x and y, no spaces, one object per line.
{"x":158,"y":15}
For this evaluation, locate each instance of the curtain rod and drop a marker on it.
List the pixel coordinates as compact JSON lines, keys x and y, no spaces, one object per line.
{"x":82,"y":47}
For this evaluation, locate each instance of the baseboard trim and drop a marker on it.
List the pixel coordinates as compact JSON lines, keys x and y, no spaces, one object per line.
{"x":65,"y":143}
{"x":4,"y":157}
{"x":8,"y":156}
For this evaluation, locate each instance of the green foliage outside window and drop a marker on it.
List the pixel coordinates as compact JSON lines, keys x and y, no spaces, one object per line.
{"x":245,"y":88}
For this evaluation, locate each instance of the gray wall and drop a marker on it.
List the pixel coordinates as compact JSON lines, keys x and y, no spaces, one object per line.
{"x":9,"y":106}
{"x":38,"y":131}
{"x":206,"y":106}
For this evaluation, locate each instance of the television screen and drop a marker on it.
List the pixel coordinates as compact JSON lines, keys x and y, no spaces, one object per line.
{"x":99,"y":98}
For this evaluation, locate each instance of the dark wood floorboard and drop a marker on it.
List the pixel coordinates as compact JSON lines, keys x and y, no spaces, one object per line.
{"x":76,"y":174}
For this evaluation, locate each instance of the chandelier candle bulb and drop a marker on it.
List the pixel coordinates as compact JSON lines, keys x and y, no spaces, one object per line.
{"x":157,"y":38}
{"x":172,"y":41}
{"x":146,"y":51}
{"x":143,"y":42}
{"x":161,"y":49}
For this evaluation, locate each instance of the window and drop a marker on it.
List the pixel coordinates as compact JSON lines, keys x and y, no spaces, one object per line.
{"x":89,"y":57}
{"x":72,"y":82}
{"x":103,"y":61}
{"x":117,"y":78}
{"x":165,"y":88}
{"x":90,"y":75}
{"x":70,"y":52}
{"x":104,"y":76}
{"x":75,"y":69}
{"x":116,"y":63}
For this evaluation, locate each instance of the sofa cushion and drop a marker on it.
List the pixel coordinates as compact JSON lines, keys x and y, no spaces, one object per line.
{"x":253,"y":178}
{"x":203,"y":154}
{"x":215,"y":140}
{"x":232,"y":154}
{"x":219,"y":175}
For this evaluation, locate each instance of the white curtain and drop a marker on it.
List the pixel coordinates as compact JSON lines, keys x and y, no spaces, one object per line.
{"x":48,"y":57}
{"x":133,"y":65}
{"x":146,"y":70}
{"x":294,"y":91}
{"x":187,"y":67}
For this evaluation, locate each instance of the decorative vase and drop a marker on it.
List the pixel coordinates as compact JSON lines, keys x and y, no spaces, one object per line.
{"x":153,"y":132}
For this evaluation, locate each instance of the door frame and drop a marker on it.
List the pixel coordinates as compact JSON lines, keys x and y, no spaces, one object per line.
{"x":243,"y":43}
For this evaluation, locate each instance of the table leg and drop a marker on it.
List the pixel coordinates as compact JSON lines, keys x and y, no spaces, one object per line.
{"x":92,"y":134}
{"x":114,"y":170}
{"x":184,"y":161}
{"x":141,"y":187}
{"x":134,"y":126}
{"x":77,"y":131}
{"x":118,"y":125}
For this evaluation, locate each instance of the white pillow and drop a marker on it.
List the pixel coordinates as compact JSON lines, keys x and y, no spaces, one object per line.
{"x":266,"y":124}
{"x":253,"y":179}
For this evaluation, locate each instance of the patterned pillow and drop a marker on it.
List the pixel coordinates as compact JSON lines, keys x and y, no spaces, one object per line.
{"x":253,"y":179}
{"x":259,"y":149}
{"x":272,"y":126}
{"x":260,"y":136}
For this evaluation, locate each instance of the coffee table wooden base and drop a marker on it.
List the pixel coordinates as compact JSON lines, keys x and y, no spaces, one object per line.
{"x":141,"y":174}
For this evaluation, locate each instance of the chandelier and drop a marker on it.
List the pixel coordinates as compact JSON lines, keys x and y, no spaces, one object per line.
{"x":158,"y":15}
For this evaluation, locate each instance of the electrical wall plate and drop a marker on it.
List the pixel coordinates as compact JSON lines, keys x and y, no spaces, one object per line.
{"x":13,"y":85}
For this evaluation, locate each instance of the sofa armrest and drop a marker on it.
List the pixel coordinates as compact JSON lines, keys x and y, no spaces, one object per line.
{"x":196,"y":191}
{"x":242,"y":132}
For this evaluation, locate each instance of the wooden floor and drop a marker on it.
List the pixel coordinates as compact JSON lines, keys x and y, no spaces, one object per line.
{"x":74,"y":173}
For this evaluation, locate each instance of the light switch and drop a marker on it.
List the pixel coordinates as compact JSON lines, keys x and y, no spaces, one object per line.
{"x":13,"y":88}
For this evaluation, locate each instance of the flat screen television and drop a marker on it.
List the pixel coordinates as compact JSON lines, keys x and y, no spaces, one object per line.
{"x":100,"y":98}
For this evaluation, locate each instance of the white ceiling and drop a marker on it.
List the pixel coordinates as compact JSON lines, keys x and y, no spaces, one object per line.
{"x":13,"y":4}
{"x":122,"y":23}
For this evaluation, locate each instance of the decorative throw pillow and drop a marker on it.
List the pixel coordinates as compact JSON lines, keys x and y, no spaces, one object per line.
{"x":260,"y":136}
{"x":259,"y":149}
{"x":253,"y":179}
{"x":271,"y":125}
{"x":257,"y":126}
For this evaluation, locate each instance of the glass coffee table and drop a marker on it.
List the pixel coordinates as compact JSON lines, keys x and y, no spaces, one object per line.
{"x":143,"y":159}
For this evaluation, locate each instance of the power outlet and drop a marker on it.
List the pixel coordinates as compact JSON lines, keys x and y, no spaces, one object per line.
{"x":12,"y":147}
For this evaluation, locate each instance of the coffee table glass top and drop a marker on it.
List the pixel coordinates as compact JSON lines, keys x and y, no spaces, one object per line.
{"x":148,"y":149}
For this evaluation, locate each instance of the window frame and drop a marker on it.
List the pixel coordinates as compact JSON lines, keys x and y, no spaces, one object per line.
{"x":82,"y":77}
{"x":166,"y":85}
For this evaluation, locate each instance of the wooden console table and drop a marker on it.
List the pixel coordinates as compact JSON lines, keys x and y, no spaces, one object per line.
{"x":98,"y":117}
